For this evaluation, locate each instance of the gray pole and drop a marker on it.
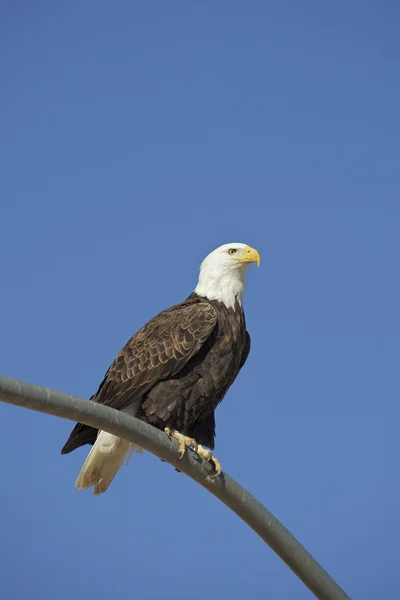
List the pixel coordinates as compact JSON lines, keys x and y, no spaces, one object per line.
{"x":157,"y":442}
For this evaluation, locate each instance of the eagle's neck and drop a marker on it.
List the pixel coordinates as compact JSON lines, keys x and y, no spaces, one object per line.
{"x":226,"y":286}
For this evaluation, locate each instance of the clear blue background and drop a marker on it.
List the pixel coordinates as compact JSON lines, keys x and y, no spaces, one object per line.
{"x":135,"y":138}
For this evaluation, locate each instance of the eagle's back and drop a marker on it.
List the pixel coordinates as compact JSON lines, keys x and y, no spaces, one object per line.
{"x":175,"y":370}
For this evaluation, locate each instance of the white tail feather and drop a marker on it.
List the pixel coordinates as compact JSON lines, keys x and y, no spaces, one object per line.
{"x":103,"y":461}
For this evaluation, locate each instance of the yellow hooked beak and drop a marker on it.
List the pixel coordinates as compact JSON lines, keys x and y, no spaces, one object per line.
{"x":248,"y":255}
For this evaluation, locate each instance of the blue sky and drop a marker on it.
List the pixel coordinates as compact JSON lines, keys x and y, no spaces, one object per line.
{"x":136,"y":137}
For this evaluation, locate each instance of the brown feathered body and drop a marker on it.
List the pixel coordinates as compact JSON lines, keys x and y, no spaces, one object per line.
{"x":176,"y":370}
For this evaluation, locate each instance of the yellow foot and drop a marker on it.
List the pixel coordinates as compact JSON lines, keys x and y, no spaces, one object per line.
{"x":184,"y":442}
{"x":187,"y":442}
{"x":207,"y":456}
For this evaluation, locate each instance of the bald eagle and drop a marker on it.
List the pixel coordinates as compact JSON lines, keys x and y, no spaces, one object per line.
{"x":176,"y":369}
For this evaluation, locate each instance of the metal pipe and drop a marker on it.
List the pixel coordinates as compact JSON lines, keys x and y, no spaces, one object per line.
{"x":157,"y":442}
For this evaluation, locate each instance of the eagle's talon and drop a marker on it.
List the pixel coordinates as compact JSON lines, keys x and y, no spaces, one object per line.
{"x":207,"y":456}
{"x":218,"y":470}
{"x":184,"y":441}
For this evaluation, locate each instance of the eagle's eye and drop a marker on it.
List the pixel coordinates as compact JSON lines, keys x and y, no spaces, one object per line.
{"x":232,"y":251}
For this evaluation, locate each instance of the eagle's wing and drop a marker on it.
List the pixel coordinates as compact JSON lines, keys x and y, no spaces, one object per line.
{"x":157,"y":351}
{"x":246,"y":350}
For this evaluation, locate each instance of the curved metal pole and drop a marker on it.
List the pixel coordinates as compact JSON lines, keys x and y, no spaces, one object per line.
{"x":157,"y":442}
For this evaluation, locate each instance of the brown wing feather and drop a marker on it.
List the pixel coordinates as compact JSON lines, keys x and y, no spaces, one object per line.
{"x":246,"y":350}
{"x":157,"y":351}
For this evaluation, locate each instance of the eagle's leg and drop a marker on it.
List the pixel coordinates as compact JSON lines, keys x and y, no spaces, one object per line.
{"x":207,"y":456}
{"x":184,"y":441}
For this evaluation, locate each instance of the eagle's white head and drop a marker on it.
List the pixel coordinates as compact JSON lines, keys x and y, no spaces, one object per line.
{"x":223,"y":273}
